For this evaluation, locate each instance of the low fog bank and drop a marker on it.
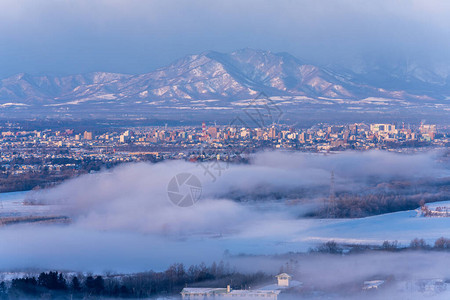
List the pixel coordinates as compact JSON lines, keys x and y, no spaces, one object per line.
{"x":69,"y":248}
{"x":334,"y":272}
{"x":123,"y":220}
{"x":404,"y":275}
{"x":410,"y":274}
{"x":134,"y":196}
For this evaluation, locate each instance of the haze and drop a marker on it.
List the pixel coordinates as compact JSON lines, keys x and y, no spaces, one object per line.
{"x":127,"y":214}
{"x":66,"y":37}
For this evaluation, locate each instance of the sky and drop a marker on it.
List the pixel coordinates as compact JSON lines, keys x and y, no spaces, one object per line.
{"x":130,"y":36}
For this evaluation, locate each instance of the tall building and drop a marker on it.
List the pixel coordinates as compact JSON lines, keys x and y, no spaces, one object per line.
{"x":272,"y":133}
{"x":87,"y":135}
{"x":212,"y":132}
{"x":382,"y":128}
{"x":301,"y":138}
{"x":203,"y":128}
{"x":427,"y":128}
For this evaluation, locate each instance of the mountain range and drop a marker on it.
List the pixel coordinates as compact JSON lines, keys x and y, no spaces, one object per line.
{"x":219,"y":80}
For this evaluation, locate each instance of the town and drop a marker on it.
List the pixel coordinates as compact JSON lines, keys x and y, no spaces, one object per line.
{"x":36,"y":158}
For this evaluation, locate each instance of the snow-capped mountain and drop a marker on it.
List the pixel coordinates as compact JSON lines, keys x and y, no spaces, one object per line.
{"x":218,"y":79}
{"x":412,"y":76}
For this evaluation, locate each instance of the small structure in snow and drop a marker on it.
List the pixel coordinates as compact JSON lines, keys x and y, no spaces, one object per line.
{"x":372,"y":284}
{"x":283,"y":279}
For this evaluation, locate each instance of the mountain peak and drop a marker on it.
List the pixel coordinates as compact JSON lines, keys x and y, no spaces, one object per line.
{"x":19,"y":76}
{"x":210,"y":75}
{"x":251,"y":51}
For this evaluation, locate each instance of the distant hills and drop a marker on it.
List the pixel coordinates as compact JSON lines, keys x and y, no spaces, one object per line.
{"x":213,"y":80}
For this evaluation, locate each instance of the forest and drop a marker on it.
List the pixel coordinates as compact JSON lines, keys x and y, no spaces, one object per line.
{"x":58,"y":285}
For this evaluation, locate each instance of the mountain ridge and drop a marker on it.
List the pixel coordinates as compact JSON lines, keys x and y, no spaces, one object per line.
{"x":210,"y":75}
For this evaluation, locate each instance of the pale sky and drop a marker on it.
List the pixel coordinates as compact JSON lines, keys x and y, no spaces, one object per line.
{"x":137,"y":36}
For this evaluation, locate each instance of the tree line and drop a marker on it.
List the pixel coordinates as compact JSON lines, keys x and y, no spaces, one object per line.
{"x":348,"y":205}
{"x":331,"y":247}
{"x":58,"y":285}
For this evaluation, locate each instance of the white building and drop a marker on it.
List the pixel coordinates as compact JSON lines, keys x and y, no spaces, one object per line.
{"x":283,"y":279}
{"x":227,"y":293}
{"x":372,"y":284}
{"x":270,"y":292}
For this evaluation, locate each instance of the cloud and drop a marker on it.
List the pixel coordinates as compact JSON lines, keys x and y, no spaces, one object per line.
{"x":343,"y":276}
{"x":134,"y":196}
{"x":123,"y":217}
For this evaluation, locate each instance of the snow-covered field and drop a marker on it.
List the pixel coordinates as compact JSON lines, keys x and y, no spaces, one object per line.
{"x":401,"y":226}
{"x":12,"y":205}
{"x":53,"y":245}
{"x":270,"y":229}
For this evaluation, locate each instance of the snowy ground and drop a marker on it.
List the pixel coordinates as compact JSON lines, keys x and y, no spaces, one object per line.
{"x":401,"y":226}
{"x":12,"y":205}
{"x":53,"y":246}
{"x":74,"y":247}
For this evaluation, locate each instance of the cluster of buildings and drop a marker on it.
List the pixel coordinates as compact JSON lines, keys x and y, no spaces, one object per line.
{"x":319,"y":137}
{"x":35,"y":150}
{"x":362,"y":136}
{"x":287,"y":288}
